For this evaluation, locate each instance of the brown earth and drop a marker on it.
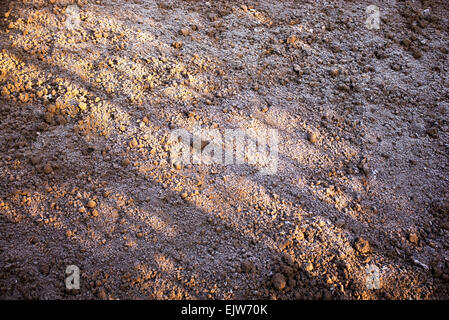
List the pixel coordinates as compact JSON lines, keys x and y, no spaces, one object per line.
{"x":86,"y":179}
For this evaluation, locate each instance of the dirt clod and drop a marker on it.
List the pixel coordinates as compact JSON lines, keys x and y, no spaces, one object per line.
{"x":48,"y":169}
{"x":362,"y":246}
{"x":279,"y":281}
{"x":312,"y":137}
{"x":91,"y":204}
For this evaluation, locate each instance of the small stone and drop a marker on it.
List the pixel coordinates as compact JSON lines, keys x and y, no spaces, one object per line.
{"x":48,"y":169}
{"x":95,"y":213}
{"x":102,"y":294}
{"x":406,"y":42}
{"x":60,"y":119}
{"x":299,"y":236}
{"x":133,"y":143}
{"x":35,"y":160}
{"x":343,"y":87}
{"x":309,"y":267}
{"x":417,"y":54}
{"x":297,"y":68}
{"x":395,"y":67}
{"x":247,"y":266}
{"x":362,"y":246}
{"x":126,"y":162}
{"x":91,"y":204}
{"x":340,"y":223}
{"x":177,"y":44}
{"x":184,"y":31}
{"x":433,"y":132}
{"x":312,"y":137}
{"x":279,"y":281}
{"x":292,"y":39}
{"x":82,"y":106}
{"x":287,"y":271}
{"x":413,"y":238}
{"x":24,"y":97}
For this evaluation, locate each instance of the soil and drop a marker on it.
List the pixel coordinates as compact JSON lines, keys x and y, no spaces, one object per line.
{"x":89,"y":98}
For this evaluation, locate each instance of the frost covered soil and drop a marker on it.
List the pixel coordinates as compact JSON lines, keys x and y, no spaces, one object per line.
{"x":90,"y":94}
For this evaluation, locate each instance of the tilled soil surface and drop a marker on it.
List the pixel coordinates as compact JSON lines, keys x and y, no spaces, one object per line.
{"x":88,"y":101}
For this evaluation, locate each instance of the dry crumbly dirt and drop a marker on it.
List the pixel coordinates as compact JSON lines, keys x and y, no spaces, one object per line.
{"x":85,"y":176}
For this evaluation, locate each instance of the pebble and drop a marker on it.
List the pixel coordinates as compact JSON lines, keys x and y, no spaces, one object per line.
{"x":433,"y":132}
{"x":69,"y":233}
{"x":395,"y":67}
{"x":296,"y":68}
{"x":292,"y":39}
{"x":413,"y":238}
{"x":48,"y":169}
{"x":248,"y":266}
{"x":279,"y":281}
{"x":309,"y":267}
{"x":82,"y":106}
{"x":299,"y":236}
{"x":91,"y":204}
{"x":35,"y":160}
{"x":362,"y":246}
{"x":287,"y":271}
{"x":312,"y":137}
{"x":417,"y":54}
{"x":184,"y":32}
{"x":177,"y":44}
{"x":133,"y":143}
